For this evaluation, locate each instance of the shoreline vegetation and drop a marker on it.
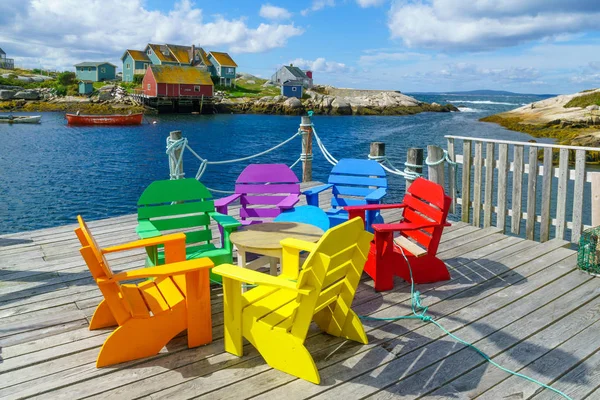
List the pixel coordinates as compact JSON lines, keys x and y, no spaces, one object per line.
{"x":19,"y":92}
{"x":572,"y":119}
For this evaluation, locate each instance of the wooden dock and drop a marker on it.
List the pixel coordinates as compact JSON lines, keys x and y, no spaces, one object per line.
{"x":522,"y":302}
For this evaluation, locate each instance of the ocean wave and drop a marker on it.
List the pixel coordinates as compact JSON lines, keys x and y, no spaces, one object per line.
{"x":483,"y":102}
{"x":469,"y":109}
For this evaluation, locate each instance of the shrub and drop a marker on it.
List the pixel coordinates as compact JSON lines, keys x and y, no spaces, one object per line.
{"x":60,"y":90}
{"x":138,"y":78}
{"x":584,"y":100}
{"x":66,"y":78}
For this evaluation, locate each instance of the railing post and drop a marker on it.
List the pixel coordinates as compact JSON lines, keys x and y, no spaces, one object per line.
{"x":595,"y":198}
{"x":414,"y":162}
{"x":452,"y":184}
{"x":377,"y":151}
{"x":306,"y":127}
{"x":175,"y":164}
{"x":435,"y":173}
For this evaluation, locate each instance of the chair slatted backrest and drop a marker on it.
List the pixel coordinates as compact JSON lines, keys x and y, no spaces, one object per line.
{"x":262,"y":187}
{"x":173,"y":205}
{"x":426,"y":203}
{"x":99,"y":268}
{"x":333,"y":269}
{"x":353,"y":179}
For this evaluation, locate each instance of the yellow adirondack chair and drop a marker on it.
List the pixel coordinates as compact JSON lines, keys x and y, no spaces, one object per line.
{"x":151,"y":313}
{"x":275,"y":316}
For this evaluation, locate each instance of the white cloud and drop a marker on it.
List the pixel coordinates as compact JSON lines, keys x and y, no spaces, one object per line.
{"x":369,"y":3}
{"x":320,"y":65}
{"x":483,"y":24}
{"x":272,"y":12}
{"x":318,"y":5}
{"x":59,"y":33}
{"x":384,"y":57}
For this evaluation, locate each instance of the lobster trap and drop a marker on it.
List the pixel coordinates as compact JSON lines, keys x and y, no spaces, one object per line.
{"x":588,"y":255}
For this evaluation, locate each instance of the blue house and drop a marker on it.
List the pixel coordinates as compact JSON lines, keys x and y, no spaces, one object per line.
{"x":95,"y":71}
{"x":86,"y":87}
{"x":135,"y":62}
{"x":292,"y":89}
{"x":223,"y":68}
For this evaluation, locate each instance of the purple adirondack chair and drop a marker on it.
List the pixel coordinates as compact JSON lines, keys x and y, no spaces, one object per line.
{"x":264,"y":191}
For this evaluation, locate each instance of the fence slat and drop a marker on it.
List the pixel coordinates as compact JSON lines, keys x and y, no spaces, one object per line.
{"x":515,"y":224}
{"x":452,"y":175}
{"x":531,"y":193}
{"x":477,"y":183}
{"x":466,"y":182}
{"x":578,"y":196}
{"x":503,"y":167}
{"x":561,"y":205}
{"x":546,"y":195}
{"x":489,"y":185}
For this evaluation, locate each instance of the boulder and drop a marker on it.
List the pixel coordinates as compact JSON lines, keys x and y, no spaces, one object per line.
{"x":293,"y":103}
{"x":24,"y":79}
{"x":340,"y":107}
{"x":434,"y":104}
{"x":105,"y":95}
{"x":592,"y":107}
{"x":265,"y":99}
{"x":251,"y":82}
{"x":7,"y":94}
{"x":279,"y":98}
{"x":27,"y":95}
{"x":267,"y":84}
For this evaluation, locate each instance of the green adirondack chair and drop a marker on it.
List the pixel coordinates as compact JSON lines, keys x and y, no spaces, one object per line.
{"x":170,"y":206}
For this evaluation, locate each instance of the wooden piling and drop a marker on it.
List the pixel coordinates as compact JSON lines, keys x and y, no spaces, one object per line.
{"x":414,"y":156}
{"x":306,"y":126}
{"x":435,"y":172}
{"x":175,"y":169}
{"x":377,"y":151}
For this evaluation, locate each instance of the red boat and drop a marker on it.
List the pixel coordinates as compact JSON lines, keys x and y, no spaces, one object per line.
{"x":80,"y":119}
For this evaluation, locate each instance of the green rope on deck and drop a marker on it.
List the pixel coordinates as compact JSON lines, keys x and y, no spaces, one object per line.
{"x":419,"y":312}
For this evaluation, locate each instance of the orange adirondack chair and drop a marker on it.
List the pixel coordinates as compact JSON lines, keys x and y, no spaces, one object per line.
{"x":151,"y":313}
{"x":425,"y":207}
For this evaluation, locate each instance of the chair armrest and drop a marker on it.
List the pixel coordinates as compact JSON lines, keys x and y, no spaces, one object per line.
{"x":161,"y":271}
{"x":317,"y":189}
{"x":367,"y":207}
{"x":146,"y":229}
{"x":225,"y":201}
{"x":174,"y":245}
{"x":289,"y":201}
{"x":376,"y":195}
{"x":256,"y":278}
{"x":403,"y":226}
{"x":297,"y":245}
{"x":226,"y":221}
{"x":290,"y":261}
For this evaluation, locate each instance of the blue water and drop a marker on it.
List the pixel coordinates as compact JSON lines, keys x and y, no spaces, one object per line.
{"x":51,"y":172}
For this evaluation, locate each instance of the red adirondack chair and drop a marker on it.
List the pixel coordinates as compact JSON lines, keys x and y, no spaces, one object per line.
{"x":425,"y":208}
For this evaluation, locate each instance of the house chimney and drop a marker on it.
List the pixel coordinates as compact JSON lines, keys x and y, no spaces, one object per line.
{"x":309,"y":74}
{"x":193,"y":56}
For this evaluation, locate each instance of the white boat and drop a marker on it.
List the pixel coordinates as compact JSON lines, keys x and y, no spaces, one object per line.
{"x":20,"y":119}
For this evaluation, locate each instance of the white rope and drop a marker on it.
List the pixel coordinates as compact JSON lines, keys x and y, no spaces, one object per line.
{"x":182,"y":144}
{"x":445,"y":158}
{"x":406,"y":173}
{"x":330,"y":159}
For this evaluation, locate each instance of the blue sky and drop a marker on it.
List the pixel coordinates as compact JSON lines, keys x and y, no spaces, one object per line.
{"x":532,"y":46}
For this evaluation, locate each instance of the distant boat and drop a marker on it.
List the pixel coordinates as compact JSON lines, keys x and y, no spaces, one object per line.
{"x":20,"y":119}
{"x":80,"y":119}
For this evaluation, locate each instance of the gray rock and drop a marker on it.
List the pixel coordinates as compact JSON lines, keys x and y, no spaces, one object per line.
{"x":435,"y":104}
{"x":27,"y":95}
{"x":24,"y":79}
{"x":293,"y":103}
{"x":105,"y":95}
{"x":7,"y":94}
{"x":592,"y":107}
{"x":279,"y":98}
{"x":265,"y":99}
{"x":341,"y":107}
{"x":267,"y":84}
{"x":250,"y":82}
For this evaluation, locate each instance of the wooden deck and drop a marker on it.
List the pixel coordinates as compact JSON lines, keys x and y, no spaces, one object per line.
{"x":522,"y":302}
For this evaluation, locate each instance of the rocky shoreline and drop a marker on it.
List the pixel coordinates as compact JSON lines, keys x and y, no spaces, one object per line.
{"x":572,"y":119}
{"x":322,"y":100}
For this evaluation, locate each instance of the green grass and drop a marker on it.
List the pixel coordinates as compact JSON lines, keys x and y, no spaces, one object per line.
{"x":584,"y":101}
{"x":245,"y":89}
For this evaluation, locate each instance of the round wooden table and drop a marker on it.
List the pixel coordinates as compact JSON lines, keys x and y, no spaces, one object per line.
{"x":265,"y":238}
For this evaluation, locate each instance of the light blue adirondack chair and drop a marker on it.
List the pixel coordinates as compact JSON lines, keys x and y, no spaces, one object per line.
{"x":352,"y":182}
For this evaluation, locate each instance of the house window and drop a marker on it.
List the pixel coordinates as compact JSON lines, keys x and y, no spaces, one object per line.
{"x":148,"y":86}
{"x":128,"y":66}
{"x":89,"y":69}
{"x":145,"y":65}
{"x":294,"y":88}
{"x":149,"y":52}
{"x":196,"y":88}
{"x":230,"y":70}
{"x":102,"y":69}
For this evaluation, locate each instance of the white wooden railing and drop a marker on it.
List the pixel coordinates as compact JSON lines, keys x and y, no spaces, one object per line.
{"x":485,"y":179}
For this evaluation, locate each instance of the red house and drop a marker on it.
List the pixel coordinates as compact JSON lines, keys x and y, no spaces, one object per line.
{"x":176,"y":81}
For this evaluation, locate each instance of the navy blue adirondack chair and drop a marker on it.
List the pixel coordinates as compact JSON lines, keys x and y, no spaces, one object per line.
{"x":352,"y":182}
